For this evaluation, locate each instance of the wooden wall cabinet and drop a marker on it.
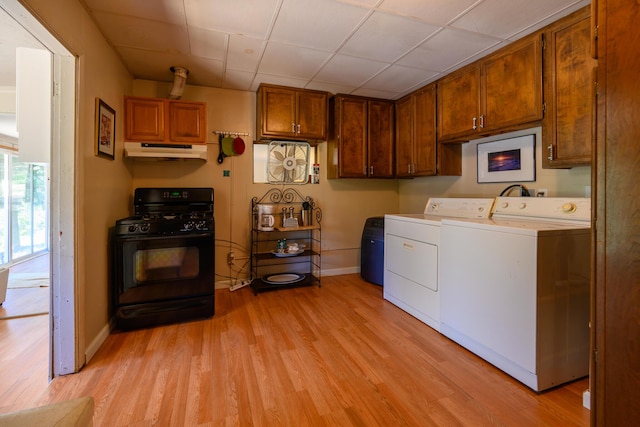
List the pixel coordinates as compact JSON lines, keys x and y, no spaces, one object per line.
{"x":416,"y":134}
{"x":165,"y":121}
{"x":500,"y":93}
{"x":567,"y":128}
{"x":361,"y":141}
{"x":291,"y":114}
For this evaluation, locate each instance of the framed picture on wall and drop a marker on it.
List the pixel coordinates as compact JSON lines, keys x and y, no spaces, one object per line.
{"x":507,"y":160}
{"x":105,"y":130}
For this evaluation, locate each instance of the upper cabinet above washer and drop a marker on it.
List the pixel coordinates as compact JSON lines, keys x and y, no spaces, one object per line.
{"x":498,"y":93}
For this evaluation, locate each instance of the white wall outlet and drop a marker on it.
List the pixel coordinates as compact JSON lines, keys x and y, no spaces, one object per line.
{"x":542,"y":192}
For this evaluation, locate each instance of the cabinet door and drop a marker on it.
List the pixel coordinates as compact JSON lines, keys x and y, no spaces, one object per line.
{"x":424,"y":135}
{"x":187,"y":122}
{"x":567,"y":126}
{"x":144,"y":119}
{"x":512,"y":86}
{"x":459,"y":104}
{"x":352,"y":137}
{"x":311,"y":115}
{"x":380,"y":137}
{"x":278,"y":111}
{"x":404,"y":137}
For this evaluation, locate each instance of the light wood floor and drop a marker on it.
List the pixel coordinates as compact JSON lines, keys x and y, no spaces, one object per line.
{"x":339,"y":355}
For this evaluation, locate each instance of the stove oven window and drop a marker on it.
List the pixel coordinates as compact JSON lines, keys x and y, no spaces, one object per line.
{"x":172,"y":263}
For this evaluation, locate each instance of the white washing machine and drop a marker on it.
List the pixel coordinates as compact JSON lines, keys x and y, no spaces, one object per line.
{"x":515,"y":288}
{"x":411,"y":254}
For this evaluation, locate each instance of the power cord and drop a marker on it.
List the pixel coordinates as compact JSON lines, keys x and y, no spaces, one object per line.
{"x":524,"y":191}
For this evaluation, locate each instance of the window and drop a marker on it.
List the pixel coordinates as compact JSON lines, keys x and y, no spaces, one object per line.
{"x":23,"y":209}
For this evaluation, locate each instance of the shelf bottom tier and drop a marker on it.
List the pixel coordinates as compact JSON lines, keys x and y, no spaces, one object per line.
{"x":259,"y":285}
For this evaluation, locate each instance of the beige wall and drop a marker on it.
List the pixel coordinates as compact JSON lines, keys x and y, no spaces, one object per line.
{"x":102,"y":186}
{"x":345,"y":204}
{"x":560,"y":182}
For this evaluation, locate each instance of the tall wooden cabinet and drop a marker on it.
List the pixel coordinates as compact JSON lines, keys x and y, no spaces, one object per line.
{"x":569,"y":92}
{"x":499,"y":93}
{"x":291,"y":114}
{"x":416,"y":134}
{"x":615,"y":379}
{"x":361,"y":140}
{"x":165,"y":121}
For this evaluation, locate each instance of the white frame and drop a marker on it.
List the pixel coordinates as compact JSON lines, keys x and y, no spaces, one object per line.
{"x":527,"y":172}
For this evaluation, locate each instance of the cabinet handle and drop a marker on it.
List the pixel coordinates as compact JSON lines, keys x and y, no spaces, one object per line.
{"x":371,"y":170}
{"x":550,"y":148}
{"x":482,"y":121}
{"x":409,"y":168}
{"x":298,"y":128}
{"x":293,"y":128}
{"x":475,"y":120}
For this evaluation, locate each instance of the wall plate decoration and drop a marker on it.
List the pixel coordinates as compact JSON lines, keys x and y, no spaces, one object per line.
{"x":105,"y":130}
{"x":507,"y":160}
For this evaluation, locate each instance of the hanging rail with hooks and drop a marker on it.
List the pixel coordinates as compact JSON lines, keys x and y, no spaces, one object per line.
{"x":227,"y":132}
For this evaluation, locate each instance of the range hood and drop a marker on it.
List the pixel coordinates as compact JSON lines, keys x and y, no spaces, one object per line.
{"x":151,"y":151}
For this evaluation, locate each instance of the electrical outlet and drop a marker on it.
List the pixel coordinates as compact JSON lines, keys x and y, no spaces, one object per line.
{"x":230,"y":257}
{"x":542,"y":192}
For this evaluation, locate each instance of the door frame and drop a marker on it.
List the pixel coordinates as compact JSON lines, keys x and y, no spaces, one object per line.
{"x":64,"y":337}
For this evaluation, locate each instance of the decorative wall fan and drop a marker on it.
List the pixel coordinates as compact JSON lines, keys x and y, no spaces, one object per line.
{"x":288,"y":162}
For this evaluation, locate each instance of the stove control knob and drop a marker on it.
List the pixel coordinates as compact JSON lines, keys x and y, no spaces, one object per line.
{"x":133,"y":228}
{"x":505,"y":205}
{"x":188,"y":226}
{"x":200,"y":225}
{"x":522,"y":205}
{"x":569,"y":208}
{"x":145,"y":228}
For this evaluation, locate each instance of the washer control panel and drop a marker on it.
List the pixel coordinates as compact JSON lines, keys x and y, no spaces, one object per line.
{"x":455,"y":207}
{"x":551,"y":208}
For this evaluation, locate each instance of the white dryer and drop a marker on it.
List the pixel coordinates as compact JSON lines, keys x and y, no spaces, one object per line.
{"x":411,"y":254}
{"x":515,"y":288}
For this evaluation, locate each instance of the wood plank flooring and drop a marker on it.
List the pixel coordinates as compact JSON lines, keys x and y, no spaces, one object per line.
{"x":339,"y":355}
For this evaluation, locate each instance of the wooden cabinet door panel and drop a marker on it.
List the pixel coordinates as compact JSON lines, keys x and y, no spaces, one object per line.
{"x":380,"y":124}
{"x":278,"y":112}
{"x":404,"y":137}
{"x":512,"y":86}
{"x":567,"y":126}
{"x":144,"y":119}
{"x":311,"y":116}
{"x":424,"y":132}
{"x":459,"y":103}
{"x":352,"y":137}
{"x":187,"y":122}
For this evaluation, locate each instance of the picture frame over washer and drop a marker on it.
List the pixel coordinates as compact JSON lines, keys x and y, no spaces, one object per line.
{"x":105,"y":129}
{"x":507,"y":160}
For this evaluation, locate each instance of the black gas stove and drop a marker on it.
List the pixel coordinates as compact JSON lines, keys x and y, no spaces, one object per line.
{"x":168,"y":211}
{"x":164,"y":258}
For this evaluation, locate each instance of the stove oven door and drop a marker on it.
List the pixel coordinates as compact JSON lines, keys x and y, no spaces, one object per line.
{"x":163,"y":279}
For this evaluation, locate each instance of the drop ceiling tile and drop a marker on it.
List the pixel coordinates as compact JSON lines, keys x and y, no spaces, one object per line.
{"x":292,"y":61}
{"x":385,"y":37}
{"x":438,"y":12}
{"x":277,"y":80}
{"x":349,"y":71}
{"x":169,"y":11}
{"x":319,"y":24}
{"x":142,"y":34}
{"x":207,"y":43}
{"x":244,"y":17}
{"x":436,"y":53}
{"x":513,"y":17}
{"x":244,"y":52}
{"x":398,"y":78}
{"x":237,"y":79}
